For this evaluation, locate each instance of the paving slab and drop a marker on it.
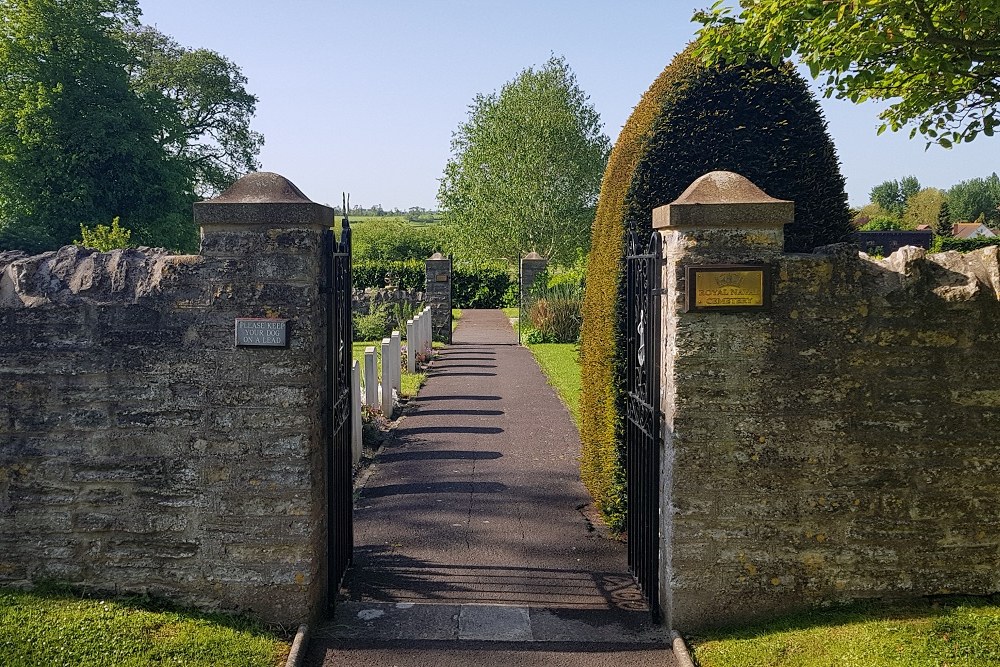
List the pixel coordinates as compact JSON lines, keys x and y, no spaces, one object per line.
{"x":494,"y":623}
{"x":471,"y":530}
{"x":494,"y":654}
{"x":387,"y":621}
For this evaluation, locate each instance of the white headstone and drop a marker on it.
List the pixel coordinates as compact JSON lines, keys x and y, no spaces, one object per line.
{"x":411,"y":347}
{"x":371,"y":377}
{"x":356,"y":411}
{"x":395,"y":349}
{"x":386,"y":384}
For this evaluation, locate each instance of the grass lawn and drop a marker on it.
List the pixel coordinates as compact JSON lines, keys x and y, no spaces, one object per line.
{"x":410,"y":382}
{"x":53,"y":628}
{"x":958,"y":632}
{"x":456,"y":315}
{"x":560,"y":363}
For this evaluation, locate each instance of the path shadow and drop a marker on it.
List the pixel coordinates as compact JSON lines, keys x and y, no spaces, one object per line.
{"x":483,"y":430}
{"x":432,"y":487}
{"x":445,"y":372}
{"x":474,"y":413}
{"x":485,"y":357}
{"x":382,"y":575}
{"x":438,"y":454}
{"x":429,"y":399}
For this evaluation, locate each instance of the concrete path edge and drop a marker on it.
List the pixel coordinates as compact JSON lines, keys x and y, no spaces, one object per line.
{"x":681,"y":650}
{"x":298,"y":652}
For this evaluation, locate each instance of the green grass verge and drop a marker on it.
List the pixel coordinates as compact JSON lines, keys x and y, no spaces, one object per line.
{"x":456,"y":315}
{"x":514,"y":315}
{"x":58,"y":628}
{"x":561,"y":365}
{"x":410,"y":382}
{"x":956,"y":632}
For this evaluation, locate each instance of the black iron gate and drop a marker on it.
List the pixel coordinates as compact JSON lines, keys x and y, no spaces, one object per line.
{"x":642,"y":451}
{"x":340,"y":523}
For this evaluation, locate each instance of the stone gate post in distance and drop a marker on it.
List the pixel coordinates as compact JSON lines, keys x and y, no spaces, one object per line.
{"x":438,"y":295}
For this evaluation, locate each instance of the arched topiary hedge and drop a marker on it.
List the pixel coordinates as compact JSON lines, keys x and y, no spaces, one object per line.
{"x":755,"y":119}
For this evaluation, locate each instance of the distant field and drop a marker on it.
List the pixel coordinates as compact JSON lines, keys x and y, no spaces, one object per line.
{"x":427,"y":219}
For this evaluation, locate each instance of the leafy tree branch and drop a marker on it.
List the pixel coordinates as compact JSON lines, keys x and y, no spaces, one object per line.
{"x":936,"y":61}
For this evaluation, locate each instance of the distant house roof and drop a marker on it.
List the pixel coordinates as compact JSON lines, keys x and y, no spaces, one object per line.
{"x":969,"y":230}
{"x":921,"y":228}
{"x":886,"y":243}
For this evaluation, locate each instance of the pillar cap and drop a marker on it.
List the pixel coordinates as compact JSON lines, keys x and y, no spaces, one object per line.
{"x":437,"y":256}
{"x":724,"y":199}
{"x":262,"y":198}
{"x":533,"y":255}
{"x":262,"y":187}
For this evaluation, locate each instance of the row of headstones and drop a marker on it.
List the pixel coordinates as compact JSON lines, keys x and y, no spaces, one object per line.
{"x":383,"y":394}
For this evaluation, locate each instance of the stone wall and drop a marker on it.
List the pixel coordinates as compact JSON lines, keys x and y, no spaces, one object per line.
{"x":143,"y":451}
{"x":409,"y":299}
{"x":841,"y":444}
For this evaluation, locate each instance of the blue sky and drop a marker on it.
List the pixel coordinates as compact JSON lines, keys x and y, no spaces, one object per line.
{"x":363,"y":95}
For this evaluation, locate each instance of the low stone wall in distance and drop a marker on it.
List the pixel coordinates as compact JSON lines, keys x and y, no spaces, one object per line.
{"x":140,"y":449}
{"x":363,"y":300}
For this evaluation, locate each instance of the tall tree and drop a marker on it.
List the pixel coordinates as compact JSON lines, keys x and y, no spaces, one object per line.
{"x":924,"y":208}
{"x":526,"y":169}
{"x":202,"y":106}
{"x":936,"y":61}
{"x":76,"y":144}
{"x":944,"y":226}
{"x":973,"y":198}
{"x":888,"y":196}
{"x":893,"y":195}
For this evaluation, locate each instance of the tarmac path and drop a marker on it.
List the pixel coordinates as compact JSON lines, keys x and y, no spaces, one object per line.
{"x":472,"y":541}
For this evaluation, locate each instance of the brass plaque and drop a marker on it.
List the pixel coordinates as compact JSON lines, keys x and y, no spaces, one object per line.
{"x":728,"y":287}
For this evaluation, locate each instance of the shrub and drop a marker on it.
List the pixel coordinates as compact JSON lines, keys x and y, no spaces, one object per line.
{"x":483,"y":285}
{"x":554,"y":314}
{"x":882,"y":223}
{"x":372,"y":326}
{"x":755,"y":119}
{"x":382,"y":319}
{"x":569,"y":275}
{"x":399,"y":313}
{"x":943,"y":243}
{"x":104,"y":238}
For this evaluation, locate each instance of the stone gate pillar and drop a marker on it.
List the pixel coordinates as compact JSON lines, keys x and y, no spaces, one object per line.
{"x":262,"y":528}
{"x":721,"y":238}
{"x":438,"y":295}
{"x":532,"y":265}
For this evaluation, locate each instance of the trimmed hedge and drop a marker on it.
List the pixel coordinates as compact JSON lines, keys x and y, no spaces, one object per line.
{"x":757,"y":120}
{"x":474,"y":284}
{"x":943,"y":243}
{"x":483,"y":285}
{"x":410,"y":274}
